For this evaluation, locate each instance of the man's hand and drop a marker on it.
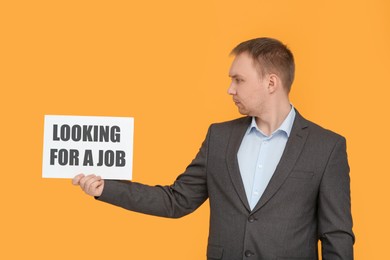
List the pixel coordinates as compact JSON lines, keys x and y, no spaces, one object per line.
{"x":91,"y":184}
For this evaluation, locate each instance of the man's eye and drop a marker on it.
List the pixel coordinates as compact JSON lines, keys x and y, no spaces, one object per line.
{"x":238,"y":80}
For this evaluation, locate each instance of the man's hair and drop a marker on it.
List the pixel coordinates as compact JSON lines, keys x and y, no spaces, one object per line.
{"x":272,"y":56}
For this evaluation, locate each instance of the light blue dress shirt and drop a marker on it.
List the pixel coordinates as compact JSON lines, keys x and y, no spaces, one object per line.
{"x":259,"y":155}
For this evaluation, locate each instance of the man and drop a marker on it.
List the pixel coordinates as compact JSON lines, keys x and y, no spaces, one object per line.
{"x":276,"y":182}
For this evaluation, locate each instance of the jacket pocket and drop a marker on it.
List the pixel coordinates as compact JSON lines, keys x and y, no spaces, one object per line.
{"x":296,"y":258}
{"x":214,"y":252}
{"x":301,"y":175}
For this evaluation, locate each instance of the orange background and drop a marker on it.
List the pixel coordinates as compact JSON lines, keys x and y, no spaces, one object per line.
{"x":166,"y":64}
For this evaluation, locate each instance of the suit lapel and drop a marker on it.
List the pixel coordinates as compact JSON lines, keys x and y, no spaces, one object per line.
{"x":235,"y":140}
{"x":290,"y":155}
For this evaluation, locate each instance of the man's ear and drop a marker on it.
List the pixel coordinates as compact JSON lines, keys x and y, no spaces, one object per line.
{"x":273,"y":83}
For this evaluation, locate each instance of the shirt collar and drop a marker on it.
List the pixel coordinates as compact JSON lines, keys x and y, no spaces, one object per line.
{"x":286,"y":126}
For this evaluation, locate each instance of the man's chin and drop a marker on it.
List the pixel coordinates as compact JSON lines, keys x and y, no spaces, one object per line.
{"x":242,"y":112}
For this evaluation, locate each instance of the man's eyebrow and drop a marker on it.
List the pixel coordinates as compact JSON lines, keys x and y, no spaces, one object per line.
{"x":234,"y":75}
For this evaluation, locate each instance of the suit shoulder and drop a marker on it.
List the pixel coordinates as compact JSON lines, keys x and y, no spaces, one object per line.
{"x":324,"y":133}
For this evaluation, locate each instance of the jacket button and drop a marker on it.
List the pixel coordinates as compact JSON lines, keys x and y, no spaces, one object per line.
{"x":251,"y":219}
{"x":249,"y":253}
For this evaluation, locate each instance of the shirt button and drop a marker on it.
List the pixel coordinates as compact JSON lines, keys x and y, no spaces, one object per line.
{"x":249,"y":253}
{"x":260,"y":166}
{"x":251,"y":219}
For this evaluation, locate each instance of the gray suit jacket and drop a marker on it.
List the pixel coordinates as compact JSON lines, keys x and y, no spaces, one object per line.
{"x":307,"y":199}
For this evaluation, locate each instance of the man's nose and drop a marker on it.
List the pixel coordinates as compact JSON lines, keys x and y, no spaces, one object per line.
{"x":231,"y":90}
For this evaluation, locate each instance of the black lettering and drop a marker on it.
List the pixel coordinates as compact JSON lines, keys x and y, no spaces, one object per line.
{"x":88,"y":159}
{"x":53,"y":155}
{"x":65,"y":132}
{"x":115,"y":134}
{"x":76,"y":133}
{"x":109,"y":158}
{"x":73,"y":157}
{"x":63,"y":157}
{"x":101,"y":159}
{"x":95,"y":133}
{"x":120,"y":159}
{"x":87,"y":133}
{"x":104,"y":132}
{"x":55,"y":133}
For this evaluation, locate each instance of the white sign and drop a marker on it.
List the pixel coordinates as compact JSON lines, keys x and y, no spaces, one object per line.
{"x":88,"y":144}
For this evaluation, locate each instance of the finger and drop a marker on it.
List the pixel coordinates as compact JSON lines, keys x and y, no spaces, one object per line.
{"x":89,"y":188}
{"x":96,"y":183}
{"x":96,"y":187}
{"x":76,"y":179}
{"x":84,"y":180}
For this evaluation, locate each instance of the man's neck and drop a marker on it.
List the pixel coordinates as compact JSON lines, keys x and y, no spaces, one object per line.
{"x":271,"y":119}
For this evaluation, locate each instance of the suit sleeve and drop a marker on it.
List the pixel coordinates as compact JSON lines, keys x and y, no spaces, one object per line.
{"x":185,"y":195}
{"x":334,"y":207}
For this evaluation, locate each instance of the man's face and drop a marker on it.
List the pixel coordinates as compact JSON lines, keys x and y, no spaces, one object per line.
{"x":248,"y":87}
